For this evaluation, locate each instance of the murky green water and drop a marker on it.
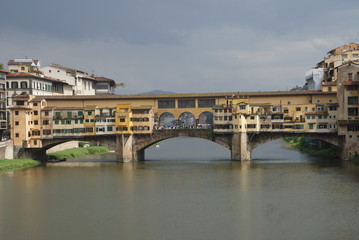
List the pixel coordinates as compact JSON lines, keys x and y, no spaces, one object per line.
{"x":187,"y":191}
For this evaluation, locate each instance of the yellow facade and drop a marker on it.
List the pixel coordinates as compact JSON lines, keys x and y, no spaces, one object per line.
{"x":51,"y":117}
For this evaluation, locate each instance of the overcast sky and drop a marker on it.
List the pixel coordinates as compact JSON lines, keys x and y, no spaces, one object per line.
{"x":181,"y":45}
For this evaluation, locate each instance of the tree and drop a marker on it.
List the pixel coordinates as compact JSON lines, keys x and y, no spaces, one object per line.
{"x":1,"y":66}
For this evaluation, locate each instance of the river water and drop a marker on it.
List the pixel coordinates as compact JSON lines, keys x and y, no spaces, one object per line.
{"x":188,"y":189}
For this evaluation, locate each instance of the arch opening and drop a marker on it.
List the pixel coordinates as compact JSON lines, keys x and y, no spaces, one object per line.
{"x":187,"y":120}
{"x":167,"y":120}
{"x":205,"y":120}
{"x":294,"y":149}
{"x":186,"y":148}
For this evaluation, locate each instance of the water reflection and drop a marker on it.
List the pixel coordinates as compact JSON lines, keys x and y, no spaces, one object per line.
{"x":291,"y":197}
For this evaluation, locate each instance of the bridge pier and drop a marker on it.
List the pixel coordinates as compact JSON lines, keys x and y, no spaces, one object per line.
{"x":349,"y":148}
{"x":125,"y":149}
{"x":240,"y":149}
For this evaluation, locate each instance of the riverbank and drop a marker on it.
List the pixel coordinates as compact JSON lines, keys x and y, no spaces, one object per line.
{"x":78,"y":152}
{"x":13,"y":164}
{"x":303,"y":145}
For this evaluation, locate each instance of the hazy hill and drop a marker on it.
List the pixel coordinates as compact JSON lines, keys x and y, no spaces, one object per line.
{"x":157,"y":91}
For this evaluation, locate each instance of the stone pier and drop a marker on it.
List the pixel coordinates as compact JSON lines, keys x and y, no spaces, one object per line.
{"x":240,"y":148}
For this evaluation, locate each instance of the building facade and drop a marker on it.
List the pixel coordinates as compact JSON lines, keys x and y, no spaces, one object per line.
{"x":4,"y":134}
{"x":81,"y":82}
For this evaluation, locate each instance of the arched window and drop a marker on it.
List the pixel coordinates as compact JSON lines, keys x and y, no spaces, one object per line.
{"x":14,"y":85}
{"x":167,"y":120}
{"x":205,"y":120}
{"x":187,"y":120}
{"x":23,"y":84}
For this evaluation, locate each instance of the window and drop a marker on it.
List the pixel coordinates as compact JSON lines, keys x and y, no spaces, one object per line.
{"x":16,"y":123}
{"x":242,"y":107}
{"x":20,"y":103}
{"x":311,"y":125}
{"x":352,"y":87}
{"x":166,"y":103}
{"x":16,"y":135}
{"x":36,"y":112}
{"x":80,"y":113}
{"x":89,"y":113}
{"x":56,"y":122}
{"x":298,"y":109}
{"x":23,"y":84}
{"x":206,"y":103}
{"x":36,"y":122}
{"x":47,"y":113}
{"x":36,"y":133}
{"x":122,"y":119}
{"x":353,"y":128}
{"x":186,"y":104}
{"x":69,"y":114}
{"x":109,"y":128}
{"x":352,"y":100}
{"x":57,"y":114}
{"x":46,"y":132}
{"x":352,"y":111}
{"x":350,"y":77}
{"x":16,"y":112}
{"x":45,"y":122}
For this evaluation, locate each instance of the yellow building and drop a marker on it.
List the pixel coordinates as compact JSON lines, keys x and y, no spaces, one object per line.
{"x":46,"y":117}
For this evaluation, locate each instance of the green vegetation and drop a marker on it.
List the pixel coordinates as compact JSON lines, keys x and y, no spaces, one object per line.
{"x":1,"y":66}
{"x":78,"y":152}
{"x":11,"y":164}
{"x":302,"y":144}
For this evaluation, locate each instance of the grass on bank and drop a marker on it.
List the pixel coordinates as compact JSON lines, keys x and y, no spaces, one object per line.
{"x":78,"y":152}
{"x":11,"y":164}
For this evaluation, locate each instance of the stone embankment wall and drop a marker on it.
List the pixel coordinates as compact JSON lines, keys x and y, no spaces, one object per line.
{"x":6,"y":149}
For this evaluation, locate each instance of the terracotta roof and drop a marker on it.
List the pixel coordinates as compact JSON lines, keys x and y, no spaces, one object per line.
{"x":348,"y":83}
{"x":27,"y":62}
{"x":4,"y":71}
{"x":73,"y":70}
{"x":329,"y":83}
{"x":103,"y":79}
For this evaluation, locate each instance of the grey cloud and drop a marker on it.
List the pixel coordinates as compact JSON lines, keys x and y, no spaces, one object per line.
{"x":162,"y":21}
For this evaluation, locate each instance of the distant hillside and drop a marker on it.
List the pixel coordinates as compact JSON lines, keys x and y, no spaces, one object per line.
{"x":157,"y":91}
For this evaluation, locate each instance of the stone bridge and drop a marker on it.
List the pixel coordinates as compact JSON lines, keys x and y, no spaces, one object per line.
{"x":131,"y":147}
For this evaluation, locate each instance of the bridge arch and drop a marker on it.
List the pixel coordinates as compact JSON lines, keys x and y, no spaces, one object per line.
{"x":143,"y":142}
{"x":256,"y":139}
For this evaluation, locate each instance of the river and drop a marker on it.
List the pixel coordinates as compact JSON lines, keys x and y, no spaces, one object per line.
{"x":187,"y":189}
